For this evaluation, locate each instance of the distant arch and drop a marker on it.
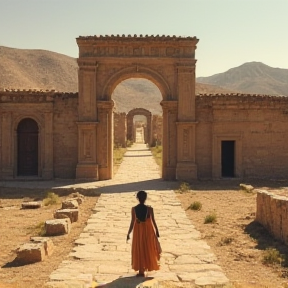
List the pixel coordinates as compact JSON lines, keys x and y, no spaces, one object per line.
{"x":130,"y":126}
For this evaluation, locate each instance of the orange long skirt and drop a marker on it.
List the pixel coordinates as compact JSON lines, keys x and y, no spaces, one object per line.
{"x":144,"y":247}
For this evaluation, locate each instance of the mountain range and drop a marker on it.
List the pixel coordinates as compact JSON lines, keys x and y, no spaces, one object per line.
{"x":41,"y":69}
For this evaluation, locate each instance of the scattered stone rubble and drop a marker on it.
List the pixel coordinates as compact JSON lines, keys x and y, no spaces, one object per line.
{"x":246,"y":188}
{"x":31,"y":205}
{"x":40,"y":247}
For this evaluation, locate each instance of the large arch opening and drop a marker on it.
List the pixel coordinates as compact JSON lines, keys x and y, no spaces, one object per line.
{"x":27,"y":148}
{"x":137,"y":114}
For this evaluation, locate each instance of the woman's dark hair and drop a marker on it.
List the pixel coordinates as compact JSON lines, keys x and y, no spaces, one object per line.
{"x":141,"y":196}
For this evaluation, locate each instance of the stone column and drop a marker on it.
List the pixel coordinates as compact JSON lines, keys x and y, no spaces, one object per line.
{"x":6,"y":146}
{"x":105,"y":139}
{"x":87,"y":167}
{"x":169,"y":143}
{"x":186,"y":126}
{"x":47,"y":171}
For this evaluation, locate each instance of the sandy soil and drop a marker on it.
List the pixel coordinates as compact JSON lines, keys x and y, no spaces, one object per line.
{"x":236,"y":239}
{"x":17,"y":227}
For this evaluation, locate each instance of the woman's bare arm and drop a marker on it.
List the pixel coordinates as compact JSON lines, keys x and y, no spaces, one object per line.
{"x":131,"y":223}
{"x":154,"y":222}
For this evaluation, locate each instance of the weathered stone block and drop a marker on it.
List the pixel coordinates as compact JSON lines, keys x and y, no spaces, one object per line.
{"x":30,"y":253}
{"x":57,"y":226}
{"x":70,"y":204}
{"x":47,"y":242}
{"x":246,"y":188}
{"x":71,"y":213}
{"x":31,"y":205}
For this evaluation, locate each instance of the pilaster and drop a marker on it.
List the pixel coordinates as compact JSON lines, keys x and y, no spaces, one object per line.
{"x":186,"y":166}
{"x":169,"y":142}
{"x":87,"y":167}
{"x":47,"y":171}
{"x":6,"y":147}
{"x":105,"y":139}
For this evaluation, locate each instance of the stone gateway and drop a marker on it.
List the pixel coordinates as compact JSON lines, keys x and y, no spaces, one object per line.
{"x":48,"y":134}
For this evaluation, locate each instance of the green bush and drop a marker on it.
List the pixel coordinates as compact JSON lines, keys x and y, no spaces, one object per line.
{"x":129,"y":143}
{"x":210,"y":218}
{"x":184,"y":187}
{"x":118,"y":154}
{"x":272,"y":256}
{"x":225,"y":241}
{"x":38,"y":230}
{"x":51,"y":199}
{"x":196,"y":206}
{"x":157,"y":154}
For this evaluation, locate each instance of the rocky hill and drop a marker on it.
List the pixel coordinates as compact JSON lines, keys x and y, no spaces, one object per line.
{"x":37,"y":69}
{"x":251,"y":77}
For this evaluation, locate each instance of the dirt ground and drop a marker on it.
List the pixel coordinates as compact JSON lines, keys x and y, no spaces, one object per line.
{"x":17,"y":226}
{"x":236,"y":239}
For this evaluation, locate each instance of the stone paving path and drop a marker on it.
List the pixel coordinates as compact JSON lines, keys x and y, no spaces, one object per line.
{"x":102,"y":251}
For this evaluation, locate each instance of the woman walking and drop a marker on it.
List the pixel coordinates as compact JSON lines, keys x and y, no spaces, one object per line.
{"x":145,"y":246}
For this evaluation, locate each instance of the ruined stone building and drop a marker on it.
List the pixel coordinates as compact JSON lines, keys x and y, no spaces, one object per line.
{"x":47,"y":134}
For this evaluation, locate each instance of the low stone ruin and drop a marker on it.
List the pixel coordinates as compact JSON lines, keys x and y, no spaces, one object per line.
{"x":31,"y":205}
{"x":35,"y":251}
{"x":272,"y":214}
{"x":57,"y":227}
{"x":40,"y":247}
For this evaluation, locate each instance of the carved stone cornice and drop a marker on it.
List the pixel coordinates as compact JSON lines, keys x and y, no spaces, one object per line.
{"x":224,"y":101}
{"x":105,"y":104}
{"x":169,"y":105}
{"x":32,"y":96}
{"x":137,"y":46}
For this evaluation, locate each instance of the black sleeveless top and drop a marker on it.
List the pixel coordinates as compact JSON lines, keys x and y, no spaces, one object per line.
{"x":141,"y":212}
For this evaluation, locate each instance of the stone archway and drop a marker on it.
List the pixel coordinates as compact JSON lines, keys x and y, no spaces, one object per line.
{"x":169,"y":62}
{"x":130,"y":116}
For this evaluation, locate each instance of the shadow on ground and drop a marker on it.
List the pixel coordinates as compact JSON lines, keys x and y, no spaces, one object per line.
{"x":37,"y":189}
{"x":265,"y":240}
{"x":128,"y":282}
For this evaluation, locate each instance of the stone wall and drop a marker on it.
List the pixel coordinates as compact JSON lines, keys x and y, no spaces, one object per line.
{"x":272,"y":213}
{"x":258,"y":125}
{"x":120,"y":129}
{"x":65,"y":136}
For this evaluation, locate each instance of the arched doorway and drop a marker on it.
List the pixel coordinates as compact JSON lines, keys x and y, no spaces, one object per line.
{"x":27,"y":148}
{"x":130,"y":124}
{"x":169,"y":62}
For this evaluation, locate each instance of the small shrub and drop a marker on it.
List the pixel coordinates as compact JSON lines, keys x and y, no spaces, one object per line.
{"x":51,"y":199}
{"x":157,"y":154}
{"x":129,"y":143}
{"x":118,"y":154}
{"x":210,"y":218}
{"x":183,"y":187}
{"x":38,"y":230}
{"x":272,"y":256}
{"x":196,"y":206}
{"x":225,"y":241}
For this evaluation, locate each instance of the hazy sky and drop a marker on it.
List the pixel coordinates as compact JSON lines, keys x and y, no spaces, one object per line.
{"x":231,"y":32}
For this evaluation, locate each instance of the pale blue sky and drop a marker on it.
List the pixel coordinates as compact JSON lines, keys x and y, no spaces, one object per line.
{"x":231,"y":32}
